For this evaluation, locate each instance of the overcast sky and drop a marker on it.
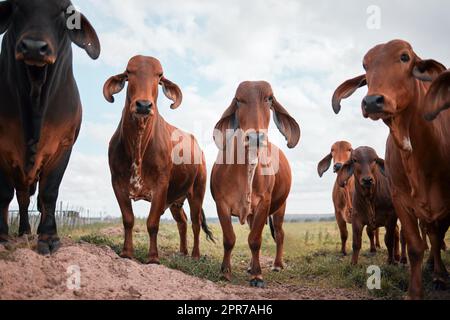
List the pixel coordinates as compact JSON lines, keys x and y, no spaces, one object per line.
{"x":305,"y":49}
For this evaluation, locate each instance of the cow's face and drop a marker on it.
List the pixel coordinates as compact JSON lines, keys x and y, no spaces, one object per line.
{"x":250,"y":113}
{"x":340,"y":154}
{"x":392,"y":74}
{"x":143,"y":75}
{"x":39,"y":29}
{"x":363,"y":164}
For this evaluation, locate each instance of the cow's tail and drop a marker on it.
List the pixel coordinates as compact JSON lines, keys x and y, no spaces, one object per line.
{"x":272,"y":229}
{"x":206,"y":229}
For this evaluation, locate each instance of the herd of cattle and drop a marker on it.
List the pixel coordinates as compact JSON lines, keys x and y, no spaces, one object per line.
{"x":40,"y":118}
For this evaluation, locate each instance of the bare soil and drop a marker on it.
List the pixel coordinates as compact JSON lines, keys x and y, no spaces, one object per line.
{"x":25,"y":275}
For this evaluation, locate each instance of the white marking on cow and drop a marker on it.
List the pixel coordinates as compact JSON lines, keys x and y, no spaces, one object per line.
{"x":407,"y":146}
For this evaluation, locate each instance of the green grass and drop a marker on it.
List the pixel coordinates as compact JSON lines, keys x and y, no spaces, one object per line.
{"x":311,"y":255}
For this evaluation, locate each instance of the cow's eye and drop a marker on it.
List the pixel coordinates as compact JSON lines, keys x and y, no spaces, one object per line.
{"x":405,"y":58}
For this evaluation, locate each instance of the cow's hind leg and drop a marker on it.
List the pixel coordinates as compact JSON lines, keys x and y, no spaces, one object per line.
{"x":23,"y":198}
{"x":278,"y":219}
{"x":377,"y":238}
{"x":127,"y":219}
{"x":404,"y":258}
{"x":50,"y":182}
{"x":440,"y":273}
{"x":181,"y":219}
{"x":390,"y":239}
{"x":6,"y":196}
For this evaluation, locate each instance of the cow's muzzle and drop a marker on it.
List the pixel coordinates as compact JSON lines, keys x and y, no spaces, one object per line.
{"x":373,"y":104}
{"x":256,"y":139}
{"x":36,"y":53}
{"x":337,"y":167}
{"x":144,"y":108}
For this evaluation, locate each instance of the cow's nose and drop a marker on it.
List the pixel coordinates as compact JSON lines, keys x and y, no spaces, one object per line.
{"x":337,"y":167}
{"x":373,"y":104}
{"x":256,"y":139}
{"x":367,"y":181}
{"x":143,"y":107}
{"x":35,"y":49}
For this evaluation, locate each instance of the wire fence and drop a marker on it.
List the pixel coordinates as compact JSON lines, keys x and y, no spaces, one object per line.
{"x":68,"y":217}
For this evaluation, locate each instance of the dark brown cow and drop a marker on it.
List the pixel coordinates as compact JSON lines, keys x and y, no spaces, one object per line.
{"x":342,"y":196}
{"x":144,"y":158}
{"x":255,"y":186}
{"x":372,"y":202}
{"x":40,"y":108}
{"x":416,"y":155}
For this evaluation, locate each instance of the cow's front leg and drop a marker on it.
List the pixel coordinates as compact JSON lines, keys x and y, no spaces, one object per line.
{"x":255,"y":240}
{"x":357,"y":227}
{"x":6,"y":196}
{"x":50,"y":182}
{"x":156,"y":211}
{"x":23,"y":198}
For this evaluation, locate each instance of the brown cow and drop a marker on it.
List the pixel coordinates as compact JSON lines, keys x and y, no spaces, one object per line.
{"x":143,"y":157}
{"x":252,"y":177}
{"x":40,"y":108}
{"x":416,"y":153}
{"x":342,"y":196}
{"x":372,"y":202}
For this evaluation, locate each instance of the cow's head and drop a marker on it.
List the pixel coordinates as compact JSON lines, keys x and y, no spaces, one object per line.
{"x":392,"y":74}
{"x":438,"y":97}
{"x":250,"y":112}
{"x":143,"y":75}
{"x":363,"y":164}
{"x":39,"y":29}
{"x":340,"y":154}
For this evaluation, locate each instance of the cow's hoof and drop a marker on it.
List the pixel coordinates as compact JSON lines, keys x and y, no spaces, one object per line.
{"x":48,"y":247}
{"x":153,"y":261}
{"x":439,"y":285}
{"x":126,"y":255}
{"x":26,"y":230}
{"x":404,"y":261}
{"x":277,"y":269}
{"x":226,"y":277}
{"x":4,"y":238}
{"x":257,"y":283}
{"x":196,"y":257}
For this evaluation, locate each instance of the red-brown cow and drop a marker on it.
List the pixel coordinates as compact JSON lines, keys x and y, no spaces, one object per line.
{"x":372,"y":202}
{"x":252,"y":177}
{"x":142,"y":158}
{"x":416,"y":155}
{"x":342,"y":196}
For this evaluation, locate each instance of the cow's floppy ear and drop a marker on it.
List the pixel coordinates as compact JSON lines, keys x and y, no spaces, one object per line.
{"x":287,"y":125}
{"x":114,"y":85}
{"x":439,"y":96}
{"x":5,"y":15}
{"x":227,"y":122}
{"x":345,"y":90}
{"x":380,"y":163}
{"x":428,"y":70}
{"x":324,"y":165}
{"x":345,"y":173}
{"x":82,"y":33}
{"x":172,"y":92}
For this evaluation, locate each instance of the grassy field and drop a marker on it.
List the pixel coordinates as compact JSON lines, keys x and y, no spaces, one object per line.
{"x":311,"y":255}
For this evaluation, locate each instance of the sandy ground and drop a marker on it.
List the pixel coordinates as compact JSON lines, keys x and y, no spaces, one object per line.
{"x":103,"y":275}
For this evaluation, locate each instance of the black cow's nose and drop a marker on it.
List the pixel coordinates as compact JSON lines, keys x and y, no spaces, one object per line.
{"x":337,"y":167}
{"x":373,"y":104}
{"x":143,"y":107}
{"x":34,"y":48}
{"x":367,"y":181}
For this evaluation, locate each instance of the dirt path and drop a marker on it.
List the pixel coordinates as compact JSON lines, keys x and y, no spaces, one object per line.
{"x":26,"y":275}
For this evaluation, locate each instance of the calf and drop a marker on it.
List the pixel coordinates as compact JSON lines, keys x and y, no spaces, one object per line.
{"x":40,"y":108}
{"x":144,"y":158}
{"x":372,"y":203}
{"x":251,"y":178}
{"x":417,"y":151}
{"x":342,"y":196}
